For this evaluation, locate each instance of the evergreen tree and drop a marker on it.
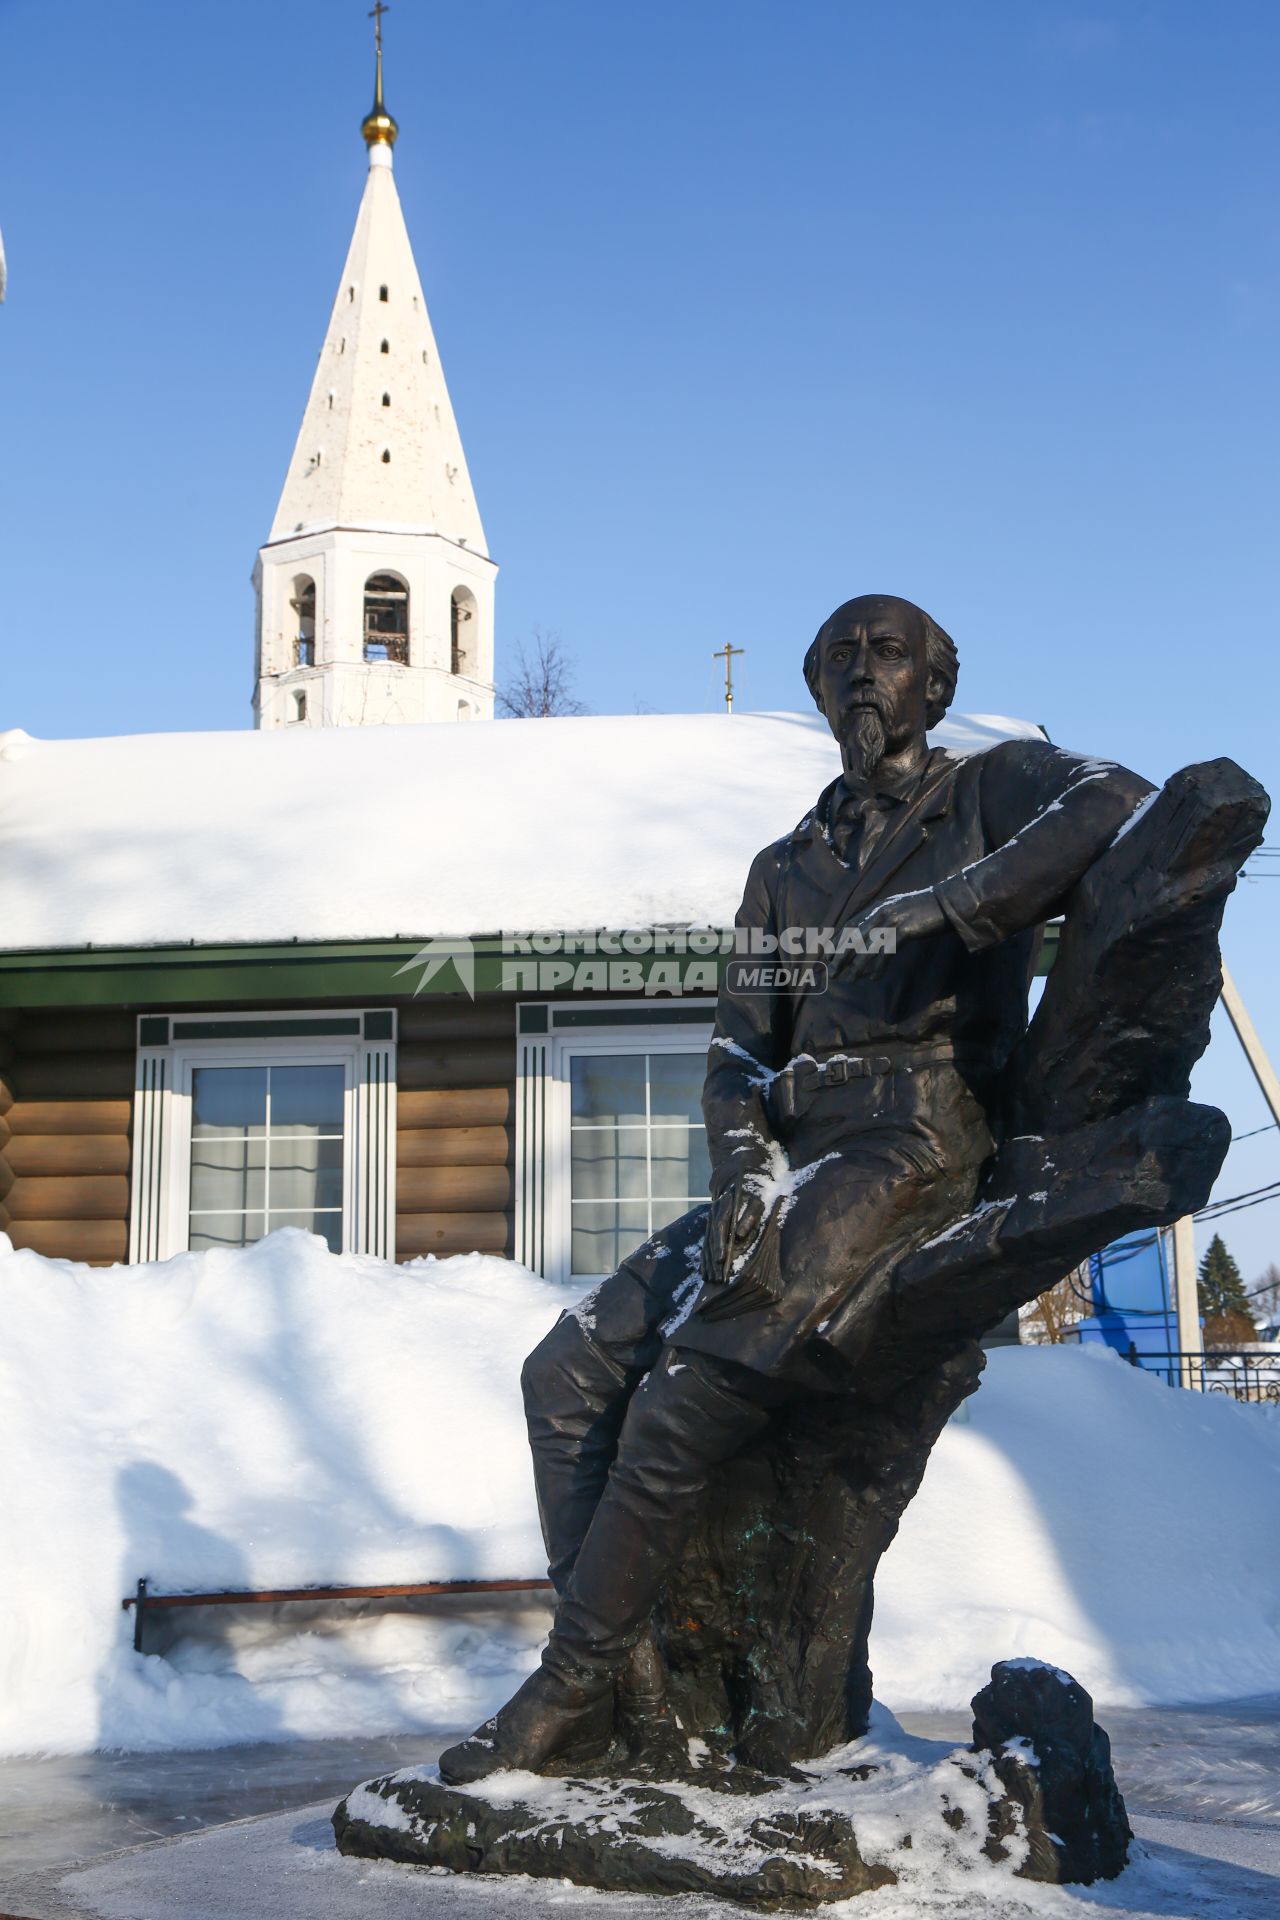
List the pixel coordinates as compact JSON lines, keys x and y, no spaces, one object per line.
{"x":1223,"y":1302}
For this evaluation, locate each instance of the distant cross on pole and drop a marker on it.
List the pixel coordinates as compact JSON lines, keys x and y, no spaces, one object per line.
{"x":376,"y":17}
{"x":728,"y":654}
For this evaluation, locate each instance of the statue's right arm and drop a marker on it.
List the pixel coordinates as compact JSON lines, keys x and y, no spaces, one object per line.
{"x":747,"y":1048}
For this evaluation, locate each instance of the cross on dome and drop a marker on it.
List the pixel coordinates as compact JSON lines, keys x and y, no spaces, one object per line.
{"x":378,"y":127}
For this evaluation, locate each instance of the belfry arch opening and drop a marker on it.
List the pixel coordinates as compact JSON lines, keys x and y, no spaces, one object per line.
{"x":303,"y":603}
{"x":386,"y":619}
{"x":463,"y":634}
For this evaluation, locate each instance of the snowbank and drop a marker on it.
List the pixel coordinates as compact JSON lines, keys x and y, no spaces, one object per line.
{"x":160,"y":838}
{"x":280,"y":1416}
{"x":266,"y":1418}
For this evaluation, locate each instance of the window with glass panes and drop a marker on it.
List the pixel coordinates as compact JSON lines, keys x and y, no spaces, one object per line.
{"x":266,"y":1152}
{"x":637,"y":1149}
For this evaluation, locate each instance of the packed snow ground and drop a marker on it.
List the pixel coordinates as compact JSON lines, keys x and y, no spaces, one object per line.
{"x":287,"y":1866}
{"x":88,"y":858}
{"x":281,"y":1416}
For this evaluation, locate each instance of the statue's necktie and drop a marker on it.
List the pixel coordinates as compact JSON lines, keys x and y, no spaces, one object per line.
{"x":858,"y":826}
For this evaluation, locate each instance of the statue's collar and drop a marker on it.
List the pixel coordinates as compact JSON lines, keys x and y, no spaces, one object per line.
{"x":887,"y":788}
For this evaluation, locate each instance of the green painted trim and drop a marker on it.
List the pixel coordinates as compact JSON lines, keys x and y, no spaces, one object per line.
{"x":223,"y":1027}
{"x":207,"y":977}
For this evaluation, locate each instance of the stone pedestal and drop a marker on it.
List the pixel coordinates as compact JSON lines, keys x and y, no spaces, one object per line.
{"x":1033,"y":1797}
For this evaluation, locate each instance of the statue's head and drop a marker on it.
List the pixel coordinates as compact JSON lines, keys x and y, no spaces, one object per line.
{"x":881,"y":671}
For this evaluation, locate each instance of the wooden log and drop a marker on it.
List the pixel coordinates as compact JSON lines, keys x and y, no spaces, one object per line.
{"x":44,"y":1154}
{"x":463,"y":1190}
{"x":455,"y":1106}
{"x":4,"y":1218}
{"x":5,"y":1131}
{"x":6,"y":1177}
{"x":451,"y":1146}
{"x":448,"y":1022}
{"x":6,"y":1093}
{"x":86,"y":1031}
{"x":98,"y":1242}
{"x":52,"y":1076}
{"x":82,"y":1196}
{"x":71,"y":1116}
{"x":442,"y":1233}
{"x":480,"y":1063}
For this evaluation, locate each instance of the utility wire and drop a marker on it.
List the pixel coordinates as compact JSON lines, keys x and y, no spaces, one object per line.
{"x":1236,"y":1202}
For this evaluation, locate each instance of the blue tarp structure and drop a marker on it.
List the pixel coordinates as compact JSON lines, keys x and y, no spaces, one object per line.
{"x":1132,"y":1286}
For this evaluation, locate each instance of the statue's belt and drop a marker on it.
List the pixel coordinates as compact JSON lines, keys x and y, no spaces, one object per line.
{"x":793,"y":1091}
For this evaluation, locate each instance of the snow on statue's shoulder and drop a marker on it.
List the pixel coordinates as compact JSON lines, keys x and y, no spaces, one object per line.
{"x":413,"y":832}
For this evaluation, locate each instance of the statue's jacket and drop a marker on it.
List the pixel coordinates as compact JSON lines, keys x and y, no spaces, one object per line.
{"x":1000,"y":838}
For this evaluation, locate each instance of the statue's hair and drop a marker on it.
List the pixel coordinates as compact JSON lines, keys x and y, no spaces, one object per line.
{"x":940,"y":655}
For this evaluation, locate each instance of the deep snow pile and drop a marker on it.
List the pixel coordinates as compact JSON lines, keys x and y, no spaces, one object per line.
{"x":86,"y":856}
{"x":280,"y":1417}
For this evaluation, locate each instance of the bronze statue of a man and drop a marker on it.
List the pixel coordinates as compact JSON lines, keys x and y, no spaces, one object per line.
{"x":846,"y":1127}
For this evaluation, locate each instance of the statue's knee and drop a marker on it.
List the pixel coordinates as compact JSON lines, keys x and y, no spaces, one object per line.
{"x":543,"y":1373}
{"x":688,"y":1414}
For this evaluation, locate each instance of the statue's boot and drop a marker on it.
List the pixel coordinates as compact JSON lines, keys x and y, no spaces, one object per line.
{"x":550,"y":1718}
{"x":576,"y":1396}
{"x":690,"y":1414}
{"x":655,"y":1741}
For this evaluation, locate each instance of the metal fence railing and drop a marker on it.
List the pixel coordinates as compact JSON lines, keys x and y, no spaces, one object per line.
{"x":1244,"y":1373}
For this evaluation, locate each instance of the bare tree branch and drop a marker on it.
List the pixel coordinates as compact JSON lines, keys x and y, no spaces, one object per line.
{"x":542,"y":683}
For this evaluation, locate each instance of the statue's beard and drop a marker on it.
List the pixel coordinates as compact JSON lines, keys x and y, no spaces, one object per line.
{"x":866,"y":742}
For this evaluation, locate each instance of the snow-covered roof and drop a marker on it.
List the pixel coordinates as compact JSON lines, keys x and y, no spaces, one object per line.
{"x":411,"y":831}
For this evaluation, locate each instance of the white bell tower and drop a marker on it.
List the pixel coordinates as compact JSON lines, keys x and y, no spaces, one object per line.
{"x":375,"y":588}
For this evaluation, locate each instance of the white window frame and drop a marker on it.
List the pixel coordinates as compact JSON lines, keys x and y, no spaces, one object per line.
{"x":159,"y":1222}
{"x":543,"y":1213}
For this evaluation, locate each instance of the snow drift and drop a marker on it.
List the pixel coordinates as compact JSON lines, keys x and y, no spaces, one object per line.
{"x":87,"y":857}
{"x":281,"y":1416}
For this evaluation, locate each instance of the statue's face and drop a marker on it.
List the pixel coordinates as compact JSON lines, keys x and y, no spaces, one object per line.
{"x":872,"y":661}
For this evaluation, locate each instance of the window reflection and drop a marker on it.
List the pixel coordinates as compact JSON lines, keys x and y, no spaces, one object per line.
{"x":266,"y":1152}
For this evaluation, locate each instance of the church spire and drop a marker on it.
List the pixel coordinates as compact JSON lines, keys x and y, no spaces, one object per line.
{"x":375,"y":586}
{"x":378,"y":127}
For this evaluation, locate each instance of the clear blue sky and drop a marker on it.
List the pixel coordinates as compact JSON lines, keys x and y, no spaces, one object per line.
{"x":744,"y":307}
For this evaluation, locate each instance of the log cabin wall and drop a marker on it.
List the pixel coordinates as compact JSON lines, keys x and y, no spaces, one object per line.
{"x":455,"y":1126}
{"x":69,"y":1079}
{"x":66,"y":1101}
{"x":66,"y":1096}
{"x":6,"y":1106}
